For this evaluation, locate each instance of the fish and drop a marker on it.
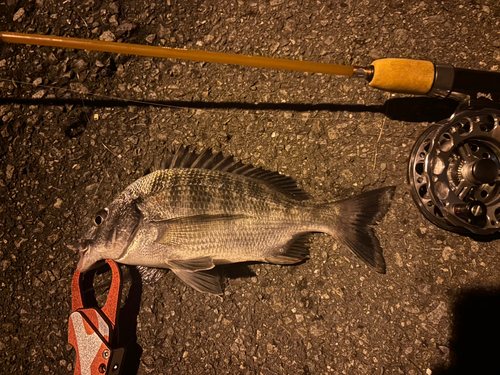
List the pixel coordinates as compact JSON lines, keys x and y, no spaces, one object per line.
{"x":196,"y":211}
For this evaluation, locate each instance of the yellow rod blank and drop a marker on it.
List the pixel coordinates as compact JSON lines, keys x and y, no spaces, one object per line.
{"x":153,"y":51}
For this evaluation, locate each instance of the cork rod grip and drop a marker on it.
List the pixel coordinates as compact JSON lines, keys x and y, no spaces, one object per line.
{"x":403,"y":76}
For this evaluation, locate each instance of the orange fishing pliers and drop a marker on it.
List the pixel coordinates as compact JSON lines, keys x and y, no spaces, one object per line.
{"x":93,"y":331}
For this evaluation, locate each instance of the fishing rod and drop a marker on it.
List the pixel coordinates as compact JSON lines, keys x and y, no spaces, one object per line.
{"x":454,"y":166}
{"x":407,"y":76}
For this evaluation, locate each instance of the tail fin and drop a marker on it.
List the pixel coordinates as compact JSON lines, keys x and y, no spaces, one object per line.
{"x":354,"y":215}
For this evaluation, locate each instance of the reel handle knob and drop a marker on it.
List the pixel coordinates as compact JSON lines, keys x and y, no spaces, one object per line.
{"x":484,"y":171}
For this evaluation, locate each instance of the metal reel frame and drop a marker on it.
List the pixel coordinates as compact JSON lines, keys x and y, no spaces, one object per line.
{"x":454,"y":172}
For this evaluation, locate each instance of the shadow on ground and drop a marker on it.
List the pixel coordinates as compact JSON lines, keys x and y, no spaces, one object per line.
{"x":411,"y":109}
{"x":475,"y":343}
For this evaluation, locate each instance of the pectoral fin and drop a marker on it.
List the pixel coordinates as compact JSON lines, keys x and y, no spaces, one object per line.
{"x":202,"y":281}
{"x":181,"y":230}
{"x":194,"y":265}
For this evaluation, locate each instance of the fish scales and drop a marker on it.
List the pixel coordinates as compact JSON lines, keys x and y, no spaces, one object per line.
{"x":182,"y":192}
{"x":191,"y":219}
{"x":187,"y":193}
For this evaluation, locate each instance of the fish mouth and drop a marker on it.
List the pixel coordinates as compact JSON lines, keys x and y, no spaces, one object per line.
{"x":87,"y":260}
{"x":83,"y":265}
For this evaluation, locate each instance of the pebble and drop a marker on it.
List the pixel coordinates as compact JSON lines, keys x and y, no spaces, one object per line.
{"x":439,"y":312}
{"x":107,"y":36}
{"x":150,"y":38}
{"x":124,"y":27}
{"x":399,"y":260}
{"x":496,"y":55}
{"x":58,"y":203}
{"x":5,"y":264}
{"x":19,"y":15}
{"x":9,"y":172}
{"x":39,"y":94}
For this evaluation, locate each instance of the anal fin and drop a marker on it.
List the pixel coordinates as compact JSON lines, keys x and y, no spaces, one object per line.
{"x":202,"y":281}
{"x":296,"y":250}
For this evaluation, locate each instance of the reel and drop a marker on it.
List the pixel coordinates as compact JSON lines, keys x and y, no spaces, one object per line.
{"x":454,"y":172}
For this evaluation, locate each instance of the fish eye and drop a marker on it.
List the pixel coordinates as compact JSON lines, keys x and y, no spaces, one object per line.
{"x":100,"y":217}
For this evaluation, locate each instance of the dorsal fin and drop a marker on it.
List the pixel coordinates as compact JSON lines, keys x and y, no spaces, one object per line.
{"x":183,"y":158}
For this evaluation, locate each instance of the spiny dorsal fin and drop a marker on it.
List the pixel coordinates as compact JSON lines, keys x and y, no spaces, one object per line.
{"x":183,"y":158}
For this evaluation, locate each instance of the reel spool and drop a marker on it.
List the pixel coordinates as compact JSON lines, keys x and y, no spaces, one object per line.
{"x":454,"y":172}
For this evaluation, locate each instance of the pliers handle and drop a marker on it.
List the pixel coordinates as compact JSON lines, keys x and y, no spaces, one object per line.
{"x":92,"y":331}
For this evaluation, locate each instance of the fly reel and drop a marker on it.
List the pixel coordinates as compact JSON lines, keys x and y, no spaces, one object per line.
{"x":454,"y":172}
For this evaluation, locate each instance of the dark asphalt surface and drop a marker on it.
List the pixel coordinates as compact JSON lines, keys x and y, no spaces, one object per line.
{"x":69,"y":144}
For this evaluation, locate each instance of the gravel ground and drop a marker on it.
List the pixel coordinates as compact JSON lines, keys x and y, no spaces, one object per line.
{"x":69,"y":144}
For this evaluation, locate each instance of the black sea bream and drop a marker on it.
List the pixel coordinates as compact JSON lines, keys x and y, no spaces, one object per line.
{"x":195,"y":212}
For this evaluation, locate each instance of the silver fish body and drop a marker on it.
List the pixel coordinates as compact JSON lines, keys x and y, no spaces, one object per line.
{"x":200,"y":211}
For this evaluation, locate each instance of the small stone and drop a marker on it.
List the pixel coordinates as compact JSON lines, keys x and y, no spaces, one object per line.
{"x":52,"y":239}
{"x":107,"y":36}
{"x":19,"y":242}
{"x":58,"y":203}
{"x":37,"y":81}
{"x":113,"y":20}
{"x":149,"y":361}
{"x":9,"y":172}
{"x":275,"y":47}
{"x":80,"y":65}
{"x":123,"y":28}
{"x":376,"y":54}
{"x":19,"y":15}
{"x":329,"y":40}
{"x":444,"y":349}
{"x":150,"y":38}
{"x":399,"y":260}
{"x":496,"y":55}
{"x":114,"y":8}
{"x":299,"y":318}
{"x":39,"y":94}
{"x":439,"y":312}
{"x":400,"y":36}
{"x":447,"y":253}
{"x":271,"y":349}
{"x":5,"y":264}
